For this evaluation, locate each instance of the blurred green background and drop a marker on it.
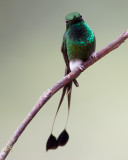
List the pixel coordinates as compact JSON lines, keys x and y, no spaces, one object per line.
{"x":31,"y":61}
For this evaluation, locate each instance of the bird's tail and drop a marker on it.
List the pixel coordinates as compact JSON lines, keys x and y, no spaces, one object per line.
{"x":52,"y":142}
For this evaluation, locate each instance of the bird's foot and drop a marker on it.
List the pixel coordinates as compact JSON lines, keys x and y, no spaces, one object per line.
{"x":81,"y":67}
{"x":93,"y":56}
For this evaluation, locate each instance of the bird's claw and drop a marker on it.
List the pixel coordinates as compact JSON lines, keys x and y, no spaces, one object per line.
{"x":81,"y":68}
{"x":93,"y":56}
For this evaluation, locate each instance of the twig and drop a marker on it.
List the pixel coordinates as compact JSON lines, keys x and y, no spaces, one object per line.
{"x":50,"y":92}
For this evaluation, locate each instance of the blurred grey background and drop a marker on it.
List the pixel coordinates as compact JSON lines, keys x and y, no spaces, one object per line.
{"x":31,"y":61}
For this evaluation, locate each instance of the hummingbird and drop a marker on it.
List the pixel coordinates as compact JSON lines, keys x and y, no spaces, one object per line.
{"x":78,"y":46}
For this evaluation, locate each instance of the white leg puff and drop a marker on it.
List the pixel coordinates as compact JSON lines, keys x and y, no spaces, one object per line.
{"x":75,"y":63}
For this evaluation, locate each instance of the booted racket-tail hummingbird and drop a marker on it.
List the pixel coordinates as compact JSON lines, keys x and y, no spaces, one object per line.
{"x":78,"y":45}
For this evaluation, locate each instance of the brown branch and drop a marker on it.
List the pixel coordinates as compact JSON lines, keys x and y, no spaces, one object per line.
{"x":50,"y":92}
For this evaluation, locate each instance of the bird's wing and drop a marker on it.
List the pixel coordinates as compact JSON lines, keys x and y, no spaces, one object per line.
{"x":64,"y":52}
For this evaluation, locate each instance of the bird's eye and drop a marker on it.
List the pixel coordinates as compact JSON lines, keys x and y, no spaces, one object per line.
{"x":67,"y":21}
{"x":80,"y":16}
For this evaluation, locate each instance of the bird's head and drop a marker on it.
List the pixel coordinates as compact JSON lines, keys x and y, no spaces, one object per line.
{"x":73,"y":18}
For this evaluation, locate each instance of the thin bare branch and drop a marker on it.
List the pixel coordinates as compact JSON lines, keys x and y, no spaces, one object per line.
{"x":50,"y":92}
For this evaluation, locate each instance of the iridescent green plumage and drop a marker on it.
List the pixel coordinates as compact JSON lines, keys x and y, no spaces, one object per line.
{"x":70,"y":16}
{"x":79,"y":39}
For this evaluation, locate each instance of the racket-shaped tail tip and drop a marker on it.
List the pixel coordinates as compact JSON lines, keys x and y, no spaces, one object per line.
{"x":63,"y":138}
{"x":52,"y":143}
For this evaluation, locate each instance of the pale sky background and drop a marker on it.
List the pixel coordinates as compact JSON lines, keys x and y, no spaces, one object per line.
{"x":31,"y":61}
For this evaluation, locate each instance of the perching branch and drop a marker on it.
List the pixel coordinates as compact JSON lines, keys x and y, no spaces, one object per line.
{"x":50,"y":92}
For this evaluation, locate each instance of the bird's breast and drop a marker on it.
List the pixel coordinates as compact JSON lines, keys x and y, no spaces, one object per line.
{"x":79,"y":41}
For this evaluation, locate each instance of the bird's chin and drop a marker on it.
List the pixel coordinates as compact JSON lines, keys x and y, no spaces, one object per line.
{"x":74,"y":63}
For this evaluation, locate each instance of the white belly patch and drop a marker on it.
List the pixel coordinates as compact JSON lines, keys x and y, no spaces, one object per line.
{"x":73,"y":64}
